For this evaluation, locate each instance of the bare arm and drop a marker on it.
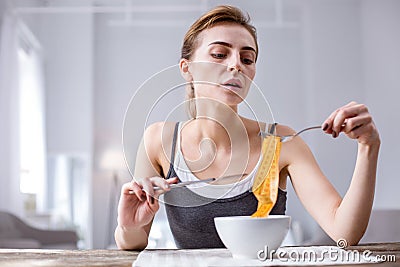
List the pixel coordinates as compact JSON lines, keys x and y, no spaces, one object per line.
{"x":353,"y":214}
{"x":136,"y":211}
{"x":345,"y":217}
{"x":134,"y":238}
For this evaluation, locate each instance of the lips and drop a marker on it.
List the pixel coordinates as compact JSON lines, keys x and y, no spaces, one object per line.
{"x":233,"y":84}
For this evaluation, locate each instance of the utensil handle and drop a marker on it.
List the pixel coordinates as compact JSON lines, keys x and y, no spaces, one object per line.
{"x":155,"y":188}
{"x":187,"y":183}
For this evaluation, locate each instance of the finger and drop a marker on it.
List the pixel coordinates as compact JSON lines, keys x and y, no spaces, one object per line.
{"x":126,"y":187}
{"x":358,"y":131}
{"x":173,"y":180}
{"x":328,"y":123}
{"x":160,"y":182}
{"x":132,"y":188}
{"x":352,"y":103}
{"x":153,"y":203}
{"x":148,"y":188}
{"x":164,"y":188}
{"x":343,"y":115}
{"x":356,"y":122}
{"x":138,"y":191}
{"x":157,"y":194}
{"x":163,"y":184}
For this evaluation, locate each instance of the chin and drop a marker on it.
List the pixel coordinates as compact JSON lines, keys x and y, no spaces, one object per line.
{"x":233,"y":99}
{"x":233,"y":102}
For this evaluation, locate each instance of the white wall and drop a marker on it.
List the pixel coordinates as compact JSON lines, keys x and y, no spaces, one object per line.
{"x":69,"y":57}
{"x":381,"y":58}
{"x":67,"y":41}
{"x":3,"y":6}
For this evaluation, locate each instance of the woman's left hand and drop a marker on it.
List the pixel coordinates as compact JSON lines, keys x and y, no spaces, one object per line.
{"x":355,"y":121}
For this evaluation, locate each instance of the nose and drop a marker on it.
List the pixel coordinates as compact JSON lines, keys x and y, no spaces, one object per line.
{"x":234,"y":63}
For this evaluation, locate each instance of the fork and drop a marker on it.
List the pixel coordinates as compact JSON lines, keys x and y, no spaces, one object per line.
{"x":184,"y":184}
{"x":285,"y":138}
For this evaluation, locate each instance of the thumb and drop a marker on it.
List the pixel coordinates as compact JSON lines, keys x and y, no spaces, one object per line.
{"x":173,"y":180}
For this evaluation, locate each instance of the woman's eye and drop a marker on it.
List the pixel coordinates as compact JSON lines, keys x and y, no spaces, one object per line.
{"x":218,"y":55}
{"x":247,"y":61}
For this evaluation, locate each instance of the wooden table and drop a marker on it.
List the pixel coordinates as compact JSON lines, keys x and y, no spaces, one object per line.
{"x":66,"y":258}
{"x":120,"y":258}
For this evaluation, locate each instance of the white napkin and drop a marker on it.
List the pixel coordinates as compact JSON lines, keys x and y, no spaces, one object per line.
{"x":321,"y":255}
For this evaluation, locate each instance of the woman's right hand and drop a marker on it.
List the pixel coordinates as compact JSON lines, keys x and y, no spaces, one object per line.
{"x":137,"y":209}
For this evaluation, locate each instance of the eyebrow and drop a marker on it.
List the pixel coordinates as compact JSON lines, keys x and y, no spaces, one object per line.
{"x":230,"y":46}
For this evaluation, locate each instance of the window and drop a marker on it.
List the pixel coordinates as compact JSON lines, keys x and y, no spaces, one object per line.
{"x":31,"y":124}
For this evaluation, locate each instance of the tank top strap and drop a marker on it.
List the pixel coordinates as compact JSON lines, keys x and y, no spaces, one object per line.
{"x":171,"y":171}
{"x":272,"y":127}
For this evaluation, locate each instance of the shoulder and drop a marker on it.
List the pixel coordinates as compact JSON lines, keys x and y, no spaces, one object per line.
{"x":158,"y":131}
{"x":158,"y":135}
{"x":294,"y":151}
{"x":295,"y":144}
{"x":282,"y":129}
{"x":158,"y":128}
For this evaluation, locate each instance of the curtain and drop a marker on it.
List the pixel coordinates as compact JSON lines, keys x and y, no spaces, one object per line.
{"x":10,"y":196}
{"x":22,"y":118}
{"x":32,"y":119}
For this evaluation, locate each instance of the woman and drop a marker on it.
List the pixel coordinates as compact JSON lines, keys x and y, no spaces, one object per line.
{"x":224,"y":37}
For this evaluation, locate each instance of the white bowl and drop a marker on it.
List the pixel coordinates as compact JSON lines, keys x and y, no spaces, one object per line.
{"x":245,"y":236}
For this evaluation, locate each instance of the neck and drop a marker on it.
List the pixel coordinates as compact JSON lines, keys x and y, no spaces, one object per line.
{"x":220,"y":123}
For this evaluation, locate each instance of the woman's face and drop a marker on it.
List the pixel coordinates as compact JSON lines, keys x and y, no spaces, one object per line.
{"x":223,"y":64}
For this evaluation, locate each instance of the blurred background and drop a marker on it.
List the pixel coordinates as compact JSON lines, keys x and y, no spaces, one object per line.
{"x":68,"y":69}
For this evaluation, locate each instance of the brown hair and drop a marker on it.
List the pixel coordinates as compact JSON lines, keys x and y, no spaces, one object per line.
{"x":219,"y":14}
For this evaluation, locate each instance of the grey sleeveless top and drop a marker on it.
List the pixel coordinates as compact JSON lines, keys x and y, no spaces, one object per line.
{"x":191,"y":216}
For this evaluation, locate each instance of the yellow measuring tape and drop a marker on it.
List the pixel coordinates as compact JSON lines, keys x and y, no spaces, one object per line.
{"x":266,"y":182}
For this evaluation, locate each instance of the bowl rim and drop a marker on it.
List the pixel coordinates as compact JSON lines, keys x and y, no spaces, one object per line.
{"x":248,"y":218}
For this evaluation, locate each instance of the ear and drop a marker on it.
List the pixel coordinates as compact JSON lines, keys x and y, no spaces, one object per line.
{"x":184,"y":68}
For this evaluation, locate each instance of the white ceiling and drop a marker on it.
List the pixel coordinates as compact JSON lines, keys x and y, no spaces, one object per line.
{"x":267,"y":13}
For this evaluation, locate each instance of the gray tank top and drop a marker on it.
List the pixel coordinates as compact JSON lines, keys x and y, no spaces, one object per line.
{"x":191,"y":216}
